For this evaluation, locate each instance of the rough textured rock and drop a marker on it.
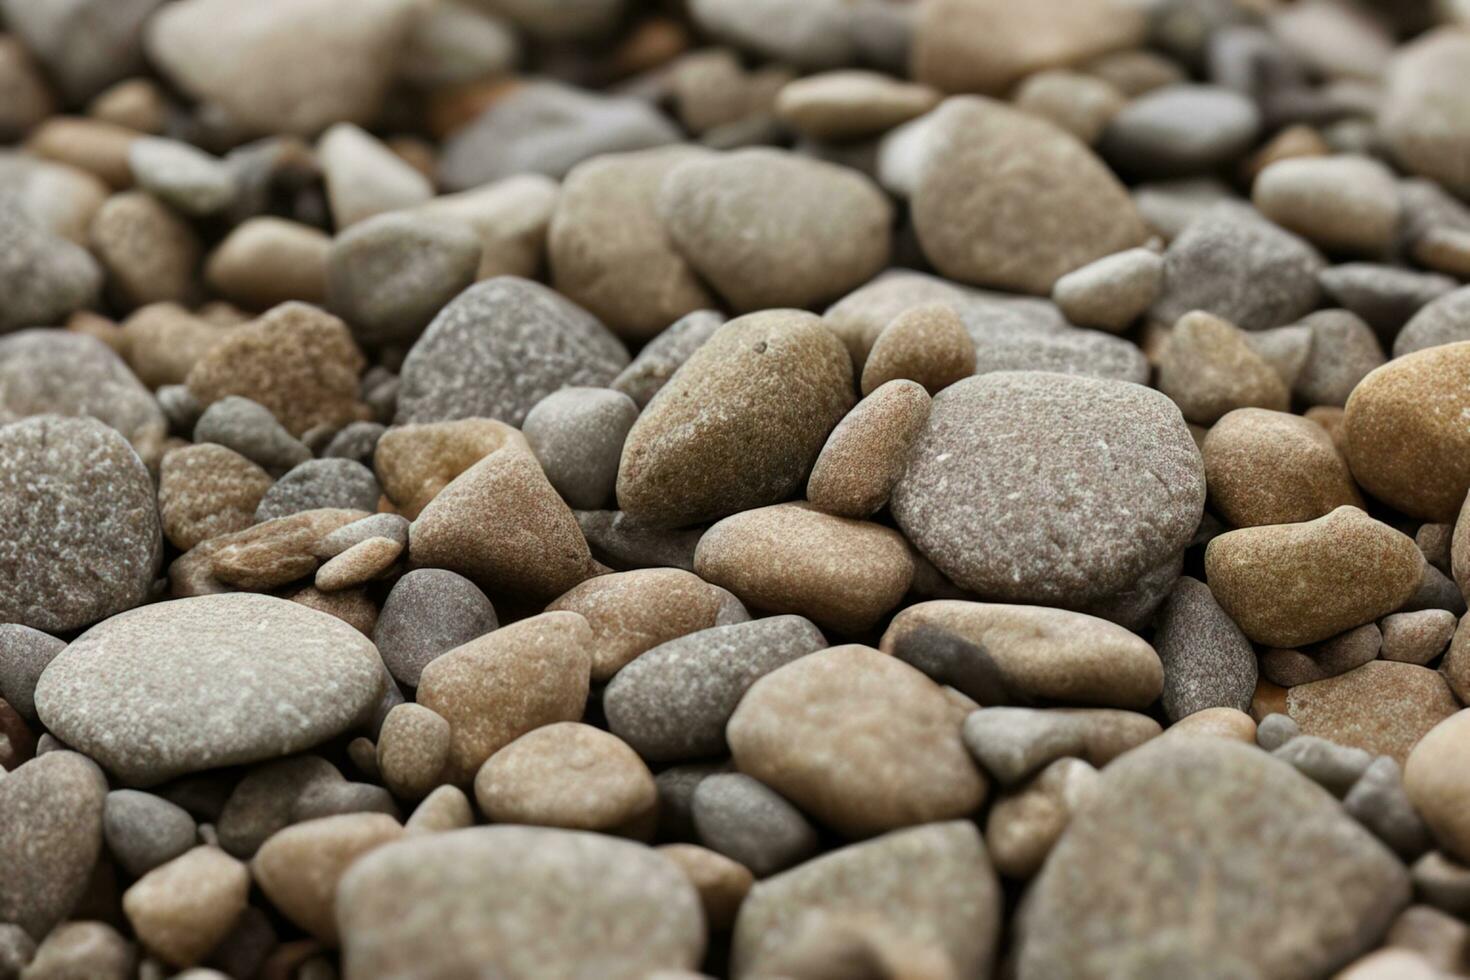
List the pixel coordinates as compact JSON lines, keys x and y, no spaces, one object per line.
{"x":415,"y":462}
{"x":1208,"y":662}
{"x":1209,"y":369}
{"x":413,"y":746}
{"x":429,"y":612}
{"x":867,"y":452}
{"x":927,"y":344}
{"x":1265,"y":467}
{"x":665,"y":354}
{"x":45,"y":276}
{"x":1382,"y":706}
{"x":318,"y":483}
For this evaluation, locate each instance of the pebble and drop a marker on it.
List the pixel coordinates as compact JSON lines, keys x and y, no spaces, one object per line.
{"x":1440,"y":321}
{"x":182,"y":176}
{"x":1382,"y":706}
{"x":322,"y":676}
{"x":429,"y":612}
{"x":1341,"y":203}
{"x":851,"y":104}
{"x":666,"y":353}
{"x":1013,"y":744}
{"x":1402,"y":442}
{"x":1065,"y":208}
{"x":415,"y":462}
{"x":388,"y":275}
{"x":499,"y":348}
{"x":1318,"y":661}
{"x":181,"y":910}
{"x":1344,"y":350}
{"x":511,"y":217}
{"x":1181,"y":130}
{"x":515,"y":900}
{"x":722,"y":883}
{"x":1456,"y":664}
{"x":262,"y":801}
{"x":609,"y":250}
{"x":572,"y":776}
{"x":924,"y":888}
{"x":772,"y":229}
{"x":91,"y":145}
{"x":1084,"y":918}
{"x":332,"y":798}
{"x":1209,"y":369}
{"x":282,"y":66}
{"x":1008,"y":493}
{"x":1417,"y":637}
{"x":1208,"y":662}
{"x":1217,"y":722}
{"x":390,"y":526}
{"x":364,"y":177}
{"x":28,"y":99}
{"x":260,"y":557}
{"x":797,"y":727}
{"x":93,"y":950}
{"x":625,"y":543}
{"x":163,"y":341}
{"x":499,"y":686}
{"x":149,"y":253}
{"x":413,"y":746}
{"x":266,"y":261}
{"x":1386,"y":296}
{"x":633,"y":612}
{"x":866,"y":454}
{"x":1080,"y":104}
{"x":356,"y":441}
{"x":577,"y":435}
{"x":82,"y":529}
{"x":299,"y":867}
{"x":1424,"y":118}
{"x":501,"y":524}
{"x":745,"y":820}
{"x":1334,"y":767}
{"x":24,"y":654}
{"x":927,"y":344}
{"x":1112,"y":292}
{"x":1266,"y":467}
{"x":740,"y":424}
{"x":1272,"y":282}
{"x":447,"y":808}
{"x":1024,"y":823}
{"x":1436,"y":782}
{"x":144,"y":831}
{"x":362,"y":563}
{"x":1290,"y":584}
{"x":50,"y":839}
{"x":319,"y":483}
{"x":811,"y":35}
{"x":85,"y":46}
{"x":297,"y":361}
{"x":1379,"y":802}
{"x":1442,"y":882}
{"x":249,"y":428}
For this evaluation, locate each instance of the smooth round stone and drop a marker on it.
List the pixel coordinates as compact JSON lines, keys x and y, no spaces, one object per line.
{"x":251,"y":430}
{"x":262,"y":802}
{"x":82,"y":537}
{"x":1290,"y":584}
{"x":1344,"y":350}
{"x":388,"y":275}
{"x":1217,"y":723}
{"x":1271,"y":281}
{"x":163,"y":341}
{"x":1208,"y":662}
{"x":1435,"y":779}
{"x":413,"y":746}
{"x":1379,"y":802}
{"x":1384,"y":295}
{"x":516,"y":900}
{"x":1035,"y":487}
{"x":843,"y":574}
{"x":429,"y":612}
{"x":50,"y":838}
{"x":415,"y":462}
{"x":1417,"y":637}
{"x":1180,"y":130}
{"x":83,"y":949}
{"x":246,"y":677}
{"x":447,"y":808}
{"x":665,"y":354}
{"x":722,"y":883}
{"x":577,"y":435}
{"x":298,"y":868}
{"x":744,"y":819}
{"x":927,"y":888}
{"x":927,"y":343}
{"x":1064,"y":207}
{"x":1318,"y":661}
{"x":1346,"y":203}
{"x":499,"y":348}
{"x":24,"y":654}
{"x":1024,"y":824}
{"x":181,"y":175}
{"x":609,"y":251}
{"x":572,"y":776}
{"x":843,"y":105}
{"x":769,"y":229}
{"x":143,"y":831}
{"x":1013,"y":744}
{"x":45,"y":277}
{"x":740,"y":424}
{"x":1404,"y":441}
{"x":362,"y":563}
{"x":866,"y":454}
{"x":1265,"y":467}
{"x":1080,"y":104}
{"x":673,"y":701}
{"x":632,"y":612}
{"x":1330,"y":765}
{"x":183,"y":909}
{"x":1201,"y":807}
{"x":1208,"y":368}
{"x":148,"y":251}
{"x":859,"y":740}
{"x":1112,"y":292}
{"x":390,"y":526}
{"x":267,"y":260}
{"x":318,"y":483}
{"x":1445,"y":320}
{"x":1003,"y":654}
{"x":1382,"y":706}
{"x":1425,"y":118}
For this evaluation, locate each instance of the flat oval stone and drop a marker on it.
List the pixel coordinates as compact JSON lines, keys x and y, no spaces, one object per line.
{"x":1199,"y":807}
{"x":1004,"y":654}
{"x":740,"y":424}
{"x":246,"y":677}
{"x":517,"y":901}
{"x":1035,"y":487}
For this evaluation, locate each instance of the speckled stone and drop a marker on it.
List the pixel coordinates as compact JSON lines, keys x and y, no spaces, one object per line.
{"x":162,"y":342}
{"x":1382,"y":706}
{"x":149,"y":253}
{"x":1265,"y":467}
{"x":143,"y":831}
{"x":251,"y":430}
{"x":1435,"y":780}
{"x":413,"y":746}
{"x":577,"y":435}
{"x":260,"y":557}
{"x":1417,"y":637}
{"x":1445,"y":320}
{"x":195,"y":655}
{"x":768,"y":228}
{"x":866,"y":454}
{"x":1036,"y":487}
{"x":1013,"y":744}
{"x":927,"y":343}
{"x":1209,"y":369}
{"x":390,"y":526}
{"x":45,"y":276}
{"x":1200,"y":807}
{"x":1208,"y":662}
{"x":843,"y":574}
{"x":362,"y":563}
{"x":746,"y":820}
{"x":24,"y":654}
{"x":1064,"y":207}
{"x":859,"y":740}
{"x":317,"y":484}
{"x":925,"y":888}
{"x":515,"y":899}
{"x":182,"y":910}
{"x":1318,"y":661}
{"x":415,"y":462}
{"x":665,"y":354}
{"x":1290,"y":584}
{"x":1113,"y":291}
{"x":632,"y":612}
{"x":740,"y":424}
{"x":82,"y":537}
{"x":500,"y":347}
{"x":261,"y":802}
{"x":1344,"y":349}
{"x":429,"y":612}
{"x":1286,"y":349}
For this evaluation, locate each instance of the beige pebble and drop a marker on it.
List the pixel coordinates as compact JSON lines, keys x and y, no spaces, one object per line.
{"x":100,"y":148}
{"x":265,"y":555}
{"x":1265,"y":467}
{"x":1446,"y":250}
{"x":447,"y":808}
{"x":1026,"y":821}
{"x":1345,"y":202}
{"x":361,"y":563}
{"x":722,"y":883}
{"x":163,"y":341}
{"x":1382,"y":706}
{"x":181,"y":910}
{"x":149,"y":253}
{"x":298,"y":868}
{"x":1438,"y":782}
{"x":849,"y":104}
{"x":413,"y":746}
{"x":865,"y":455}
{"x":266,"y":260}
{"x":1417,"y":637}
{"x":80,"y":951}
{"x":1208,"y":369}
{"x":414,"y":462}
{"x":1080,"y":104}
{"x":1219,"y":722}
{"x":206,"y":490}
{"x":134,"y":103}
{"x":927,"y":343}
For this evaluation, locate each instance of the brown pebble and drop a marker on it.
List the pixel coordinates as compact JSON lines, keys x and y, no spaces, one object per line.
{"x":163,"y":341}
{"x":299,"y":867}
{"x":265,"y":261}
{"x":413,"y":746}
{"x":149,"y":252}
{"x":1219,"y":722}
{"x":1209,"y":369}
{"x":1382,"y":706}
{"x":360,"y":563}
{"x":447,"y":808}
{"x":722,"y":883}
{"x":414,"y":462}
{"x":1417,"y":637}
{"x":927,"y":343}
{"x":1265,"y":467}
{"x":353,"y":606}
{"x":100,"y":148}
{"x":207,"y":490}
{"x":865,"y":455}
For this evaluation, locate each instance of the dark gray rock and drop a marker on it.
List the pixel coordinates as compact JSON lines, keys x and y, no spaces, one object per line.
{"x":319,"y":483}
{"x":251,"y":430}
{"x":1344,"y":349}
{"x":747,"y":821}
{"x":429,"y":612}
{"x":24,"y":654}
{"x":143,"y":831}
{"x":676,"y":786}
{"x":1208,"y":661}
{"x":1333,"y":767}
{"x":330,"y":798}
{"x":262,"y":802}
{"x":355,"y":441}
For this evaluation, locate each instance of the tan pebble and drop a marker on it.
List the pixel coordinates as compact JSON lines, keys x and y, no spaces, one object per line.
{"x":1436,"y":541}
{"x":572,"y":776}
{"x":1268,"y":699}
{"x":1445,"y":250}
{"x":1382,"y":706}
{"x":511,"y":216}
{"x":842,"y":574}
{"x":134,"y":103}
{"x":1219,"y":722}
{"x":181,"y":910}
{"x":360,"y":563}
{"x":1265,"y":467}
{"x":1111,"y":293}
{"x":1438,"y":782}
{"x":1291,"y":143}
{"x":27,"y":98}
{"x":298,"y":868}
{"x":1209,"y":370}
{"x":1134,"y":71}
{"x":363,"y":754}
{"x":265,"y":261}
{"x":499,"y":686}
{"x":206,"y":490}
{"x":850,"y":104}
{"x":1025,"y":822}
{"x":1437,"y":936}
{"x":1329,"y":417}
{"x":353,"y":606}
{"x":1345,"y":203}
{"x":265,"y":555}
{"x":164,"y":341}
{"x":150,"y":254}
{"x":865,"y":455}
{"x":927,"y":343}
{"x":632,"y":612}
{"x":447,"y":808}
{"x":415,"y":462}
{"x":1081,"y":104}
{"x":79,"y":951}
{"x":1417,"y":637}
{"x":722,"y":883}
{"x":100,"y":148}
{"x":413,"y":746}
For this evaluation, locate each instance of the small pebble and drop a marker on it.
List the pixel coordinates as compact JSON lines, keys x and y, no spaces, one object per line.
{"x":262,"y":800}
{"x":665,"y":354}
{"x":927,"y":343}
{"x":1386,"y":296}
{"x":866,"y":453}
{"x":415,"y":462}
{"x":1334,"y":767}
{"x":446,"y":808}
{"x":1437,"y":785}
{"x":249,"y":428}
{"x":577,"y":436}
{"x":331,"y":798}
{"x":1209,"y":370}
{"x":1015,"y":743}
{"x":1379,"y":802}
{"x":1112,"y":292}
{"x":745,"y":820}
{"x":298,"y":868}
{"x":1218,"y":722}
{"x":363,"y":562}
{"x":1417,"y":637}
{"x":1342,"y":203}
{"x":182,"y":176}
{"x":181,"y":910}
{"x":1382,"y":706}
{"x":364,"y":177}
{"x":1081,"y":104}
{"x":143,"y":831}
{"x":429,"y":612}
{"x":24,"y":654}
{"x":1208,"y":662}
{"x":722,"y":883}
{"x":266,"y":261}
{"x":844,"y":105}
{"x":413,"y":746}
{"x":1025,"y":822}
{"x":1179,"y":130}
{"x":93,"y":950}
{"x":1266,"y":467}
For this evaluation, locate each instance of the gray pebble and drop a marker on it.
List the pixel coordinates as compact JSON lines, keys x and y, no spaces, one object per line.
{"x":355,"y":441}
{"x":676,"y":786}
{"x":263,"y":800}
{"x":1275,"y":730}
{"x":810,"y":35}
{"x":1378,"y":802}
{"x":391,"y":526}
{"x":143,"y":830}
{"x":1344,"y":349}
{"x":180,"y":407}
{"x":1180,"y":130}
{"x":1441,"y":881}
{"x":1385,"y":296}
{"x":1286,"y":349}
{"x":1208,"y":661}
{"x":320,"y":483}
{"x":662,"y":356}
{"x":86,"y":45}
{"x":429,"y":612}
{"x":1332,"y":766}
{"x":251,"y":430}
{"x":672,"y":702}
{"x":16,"y":950}
{"x":748,"y":822}
{"x":624,"y":543}
{"x":182,"y":176}
{"x":1170,"y":206}
{"x":24,"y":654}
{"x":1112,"y":292}
{"x":330,"y":798}
{"x":1444,"y":320}
{"x":43,"y":277}
{"x":1089,"y":353}
{"x":577,"y":435}
{"x":1014,"y":743}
